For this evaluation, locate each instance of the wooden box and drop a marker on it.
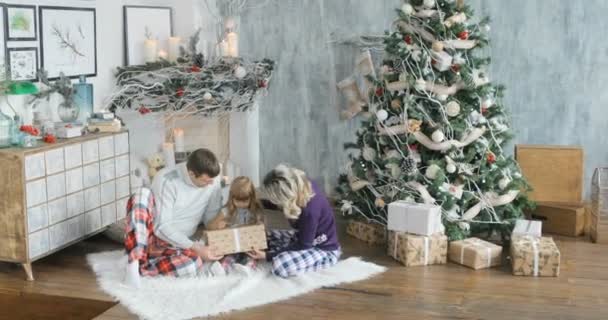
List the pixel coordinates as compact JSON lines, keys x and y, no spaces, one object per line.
{"x":54,"y":195}
{"x":371,"y":233}
{"x":554,"y":172}
{"x":414,"y":250}
{"x":236,"y":240}
{"x":562,"y":219}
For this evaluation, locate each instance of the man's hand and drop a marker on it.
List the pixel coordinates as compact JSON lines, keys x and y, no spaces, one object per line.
{"x":205,"y":252}
{"x":257,"y":254}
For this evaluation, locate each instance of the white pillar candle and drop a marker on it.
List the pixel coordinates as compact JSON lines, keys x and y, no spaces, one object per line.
{"x":178,"y":138}
{"x":233,"y":44}
{"x":224,"y":48}
{"x":169,"y":154}
{"x":150,"y":50}
{"x":174,"y":43}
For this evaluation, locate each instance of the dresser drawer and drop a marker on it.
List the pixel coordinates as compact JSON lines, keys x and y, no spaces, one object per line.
{"x":73,"y":156}
{"x":91,"y":198}
{"x":75,"y":204}
{"x":122,"y":187}
{"x":55,"y":186}
{"x":121,"y":208}
{"x":74,"y":180}
{"x":91,"y":175}
{"x":37,"y":218}
{"x":90,"y":152}
{"x":106,"y":147}
{"x":54,"y":161}
{"x":38,"y":243}
{"x":34,"y":166}
{"x":121,"y":143}
{"x":122,"y":165}
{"x":66,"y":231}
{"x":108,"y":214}
{"x":35,"y":192}
{"x":107,"y":170}
{"x":92,"y":221}
{"x":57,"y":210}
{"x":108,"y":192}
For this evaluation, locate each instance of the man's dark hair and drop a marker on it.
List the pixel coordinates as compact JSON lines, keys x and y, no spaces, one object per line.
{"x":203,"y":161}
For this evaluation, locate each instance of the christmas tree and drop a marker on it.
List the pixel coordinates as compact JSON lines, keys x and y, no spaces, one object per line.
{"x":435,"y":127}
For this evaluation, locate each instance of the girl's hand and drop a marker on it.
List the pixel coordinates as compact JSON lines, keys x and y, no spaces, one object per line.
{"x":257,"y":254}
{"x":205,"y":252}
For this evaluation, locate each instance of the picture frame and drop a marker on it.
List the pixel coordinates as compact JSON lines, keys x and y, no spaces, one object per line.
{"x":145,"y":22}
{"x":23,"y":64}
{"x":68,"y":41}
{"x":20,"y":22}
{"x":3,"y":47}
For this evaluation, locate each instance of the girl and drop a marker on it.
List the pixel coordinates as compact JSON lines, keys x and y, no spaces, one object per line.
{"x":243,"y":208}
{"x":314,"y":244}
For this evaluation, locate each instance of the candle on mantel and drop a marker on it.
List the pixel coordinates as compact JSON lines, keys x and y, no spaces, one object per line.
{"x":174,"y":43}
{"x":162,"y":54}
{"x":178,"y":138}
{"x":150,"y":50}
{"x":233,"y":44}
{"x":223,"y":48}
{"x":169,"y":154}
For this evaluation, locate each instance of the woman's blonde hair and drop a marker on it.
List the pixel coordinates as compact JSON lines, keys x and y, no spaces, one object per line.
{"x":288,"y":188}
{"x":242,"y":189}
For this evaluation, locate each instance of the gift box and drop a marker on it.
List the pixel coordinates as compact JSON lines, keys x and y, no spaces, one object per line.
{"x":527,"y":228}
{"x":562,"y":219}
{"x":416,"y":218}
{"x":236,"y":240}
{"x":475,"y":253}
{"x":415,"y":250}
{"x":371,"y":233}
{"x":538,"y":257}
{"x":561,"y":181}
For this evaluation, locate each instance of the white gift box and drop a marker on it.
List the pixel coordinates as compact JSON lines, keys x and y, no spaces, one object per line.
{"x":527,"y":228}
{"x":64,"y":132}
{"x":417,"y":218}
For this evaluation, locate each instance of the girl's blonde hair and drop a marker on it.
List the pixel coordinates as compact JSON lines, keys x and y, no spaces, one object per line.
{"x":242,"y":189}
{"x":288,"y":188}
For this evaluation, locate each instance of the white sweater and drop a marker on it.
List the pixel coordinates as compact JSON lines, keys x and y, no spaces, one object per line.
{"x":181,"y":206}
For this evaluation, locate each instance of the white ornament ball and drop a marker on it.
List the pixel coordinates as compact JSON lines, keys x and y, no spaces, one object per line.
{"x":438,"y":136}
{"x":207,"y":96}
{"x":437,"y":46}
{"x":382,"y":115}
{"x":442,"y":97}
{"x":369,"y":154}
{"x":420,"y":85}
{"x":428,"y":3}
{"x":240,"y":72}
{"x":504,"y":183}
{"x":452,"y":108}
{"x":407,"y":9}
{"x":432,"y":171}
{"x":450,"y":168}
{"x":487,"y":28}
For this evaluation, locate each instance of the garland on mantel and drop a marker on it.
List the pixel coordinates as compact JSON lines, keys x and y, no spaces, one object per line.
{"x":190,"y":87}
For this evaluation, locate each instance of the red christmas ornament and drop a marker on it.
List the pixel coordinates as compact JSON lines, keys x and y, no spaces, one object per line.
{"x":195,"y":69}
{"x":49,"y":138}
{"x":413,"y":147}
{"x":262,"y":84}
{"x":143,"y":110}
{"x":31,"y":130}
{"x":180,"y":92}
{"x":484,"y":111}
{"x":491,"y":157}
{"x":433,"y":61}
{"x":463,"y":35}
{"x":408,"y":39}
{"x":379,"y":92}
{"x":455,"y":68}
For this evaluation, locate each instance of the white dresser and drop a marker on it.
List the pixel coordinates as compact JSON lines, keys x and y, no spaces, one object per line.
{"x":57,"y":194}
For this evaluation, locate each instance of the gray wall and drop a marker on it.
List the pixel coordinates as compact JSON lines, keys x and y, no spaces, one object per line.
{"x":550,"y":55}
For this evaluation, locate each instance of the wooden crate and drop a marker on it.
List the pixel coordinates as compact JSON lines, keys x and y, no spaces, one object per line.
{"x":555,"y":172}
{"x":562,"y":219}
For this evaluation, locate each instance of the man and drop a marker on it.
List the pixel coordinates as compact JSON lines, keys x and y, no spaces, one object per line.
{"x":161,"y":221}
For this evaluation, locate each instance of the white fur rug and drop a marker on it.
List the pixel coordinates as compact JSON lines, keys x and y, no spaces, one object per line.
{"x":172,"y":298}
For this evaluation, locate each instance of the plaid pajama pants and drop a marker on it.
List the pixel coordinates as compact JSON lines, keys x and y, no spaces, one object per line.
{"x":290,"y":263}
{"x":156,"y":257}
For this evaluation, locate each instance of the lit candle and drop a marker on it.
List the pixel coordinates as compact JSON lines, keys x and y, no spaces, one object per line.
{"x":162,"y":54}
{"x":233,"y":44}
{"x":178,"y":138}
{"x":150,"y":50}
{"x":224,"y":48}
{"x":169,"y":154}
{"x":174,"y":43}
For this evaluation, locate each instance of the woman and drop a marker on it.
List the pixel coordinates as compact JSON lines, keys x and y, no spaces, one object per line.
{"x":314,"y":243}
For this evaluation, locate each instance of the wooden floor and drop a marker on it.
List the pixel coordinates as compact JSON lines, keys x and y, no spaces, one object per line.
{"x":436,"y":292}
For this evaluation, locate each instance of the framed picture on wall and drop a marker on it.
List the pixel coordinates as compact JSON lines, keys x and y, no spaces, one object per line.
{"x":68,"y":41}
{"x":147,"y":31}
{"x":23,"y":64}
{"x":20,"y":22}
{"x":3,"y":66}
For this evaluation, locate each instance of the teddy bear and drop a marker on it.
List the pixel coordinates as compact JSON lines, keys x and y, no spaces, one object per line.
{"x":155,"y":163}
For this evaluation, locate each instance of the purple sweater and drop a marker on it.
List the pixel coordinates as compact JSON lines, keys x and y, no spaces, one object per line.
{"x":316,"y":226}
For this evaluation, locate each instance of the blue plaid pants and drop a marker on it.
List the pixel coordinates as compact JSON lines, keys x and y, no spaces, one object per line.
{"x":290,"y":263}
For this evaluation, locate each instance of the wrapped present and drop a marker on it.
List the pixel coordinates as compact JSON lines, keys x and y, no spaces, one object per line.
{"x":475,"y":253}
{"x":563,"y":219}
{"x":417,"y":218}
{"x":538,"y":257}
{"x":414,"y":250}
{"x":238,"y":239}
{"x":372,"y":233}
{"x":527,"y":228}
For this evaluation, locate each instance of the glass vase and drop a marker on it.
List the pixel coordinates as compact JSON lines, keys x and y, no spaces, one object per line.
{"x":67,"y":111}
{"x":83,"y":99}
